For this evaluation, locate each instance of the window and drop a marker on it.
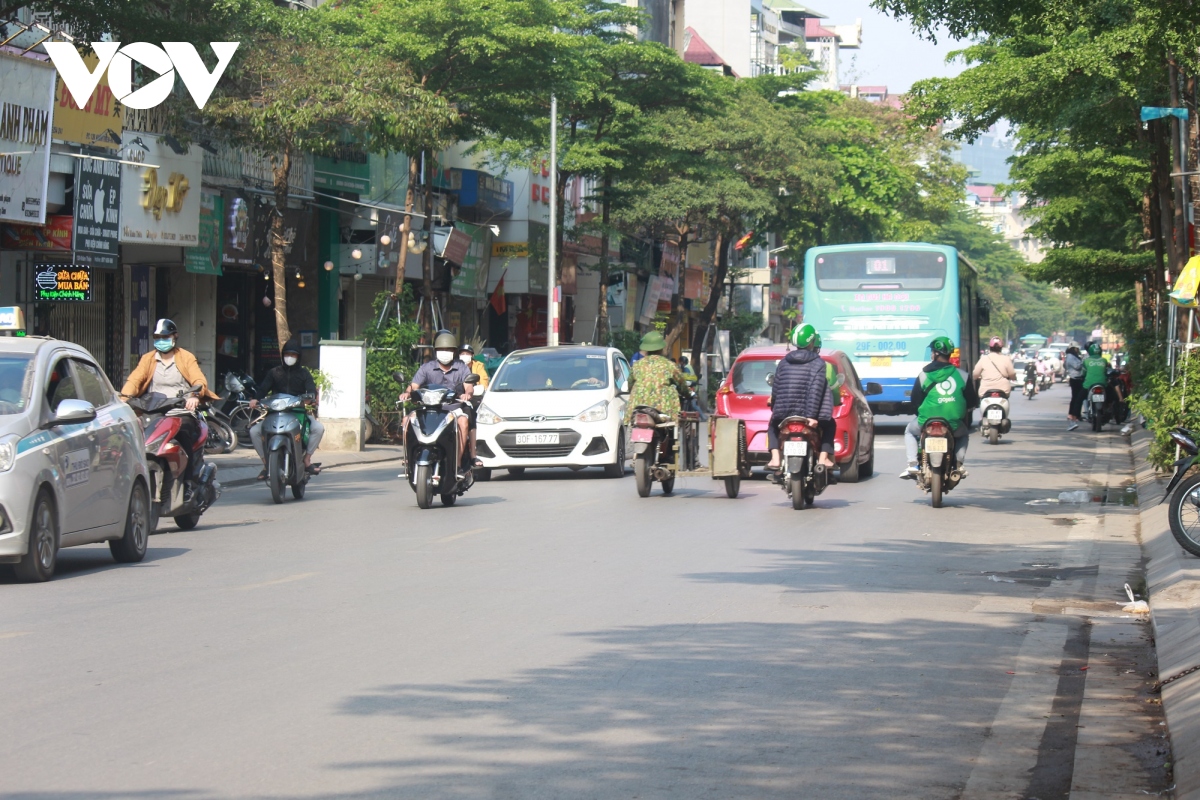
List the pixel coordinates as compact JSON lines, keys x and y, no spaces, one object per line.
{"x":855,"y":270}
{"x":61,"y":385}
{"x":95,"y":391}
{"x":750,"y":376}
{"x":16,"y":383}
{"x":620,"y":369}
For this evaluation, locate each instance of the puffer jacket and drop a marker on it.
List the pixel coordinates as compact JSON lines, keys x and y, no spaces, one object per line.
{"x":801,"y":388}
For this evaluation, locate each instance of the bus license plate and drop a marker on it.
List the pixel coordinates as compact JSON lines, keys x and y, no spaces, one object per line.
{"x":995,"y":413}
{"x":936,"y":445}
{"x":881,"y":361}
{"x":537,"y":438}
{"x":795,"y":448}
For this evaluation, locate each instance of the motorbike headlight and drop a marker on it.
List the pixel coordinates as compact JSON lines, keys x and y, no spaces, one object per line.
{"x":597,"y":413}
{"x":8,"y":452}
{"x":485,"y":416}
{"x":232,"y":383}
{"x":433,"y":397}
{"x":281,"y":403}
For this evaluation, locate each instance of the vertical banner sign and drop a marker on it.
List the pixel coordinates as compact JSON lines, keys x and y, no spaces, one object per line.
{"x":471,"y":280}
{"x":205,"y":258}
{"x":26,"y":110}
{"x":139,"y":311}
{"x":97,"y":207}
{"x":237,"y":231}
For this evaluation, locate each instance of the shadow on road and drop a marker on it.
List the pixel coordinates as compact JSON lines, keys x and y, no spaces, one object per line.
{"x":91,"y":559}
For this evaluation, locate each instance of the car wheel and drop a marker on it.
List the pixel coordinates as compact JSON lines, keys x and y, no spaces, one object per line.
{"x":516,"y":472}
{"x":39,"y":561}
{"x":850,"y":472}
{"x":617,"y":469}
{"x":131,"y":547}
{"x":867,"y":468}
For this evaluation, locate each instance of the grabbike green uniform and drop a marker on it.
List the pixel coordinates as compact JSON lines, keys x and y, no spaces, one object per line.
{"x":941,"y":391}
{"x":1095,"y":372}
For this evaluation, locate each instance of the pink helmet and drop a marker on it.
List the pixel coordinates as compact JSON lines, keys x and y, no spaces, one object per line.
{"x":995,"y":343}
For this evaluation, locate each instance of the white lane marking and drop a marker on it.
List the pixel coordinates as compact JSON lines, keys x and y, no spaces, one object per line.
{"x":1002,"y":767}
{"x":889,"y":444}
{"x":454,"y":536}
{"x":278,"y":581}
{"x":14,"y":634}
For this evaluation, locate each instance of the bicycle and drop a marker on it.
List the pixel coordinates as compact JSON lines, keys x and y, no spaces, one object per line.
{"x":242,"y":418}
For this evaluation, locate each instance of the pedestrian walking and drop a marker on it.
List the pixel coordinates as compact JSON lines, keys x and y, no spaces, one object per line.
{"x":1073,"y":364}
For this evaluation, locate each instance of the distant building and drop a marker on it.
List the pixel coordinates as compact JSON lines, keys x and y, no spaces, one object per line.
{"x":1004,"y":214}
{"x":878,"y":95}
{"x":698,"y":51}
{"x":665,"y":22}
{"x":986,"y":159}
{"x":780,"y":24}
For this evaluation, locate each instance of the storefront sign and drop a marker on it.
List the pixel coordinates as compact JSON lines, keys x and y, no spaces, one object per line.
{"x":62,"y":283}
{"x":97,"y":206}
{"x":26,"y":110}
{"x":510,"y":249}
{"x":237,"y":230}
{"x":472,"y":278}
{"x":205,"y":258}
{"x":56,"y":235}
{"x":100,"y":120}
{"x":350,"y":172}
{"x":160,"y":204}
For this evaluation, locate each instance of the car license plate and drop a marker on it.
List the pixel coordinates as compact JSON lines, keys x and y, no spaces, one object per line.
{"x":995,"y":413}
{"x":881,"y":361}
{"x":641,"y":435}
{"x":537,"y":438}
{"x":795,"y":448}
{"x":936,"y":445}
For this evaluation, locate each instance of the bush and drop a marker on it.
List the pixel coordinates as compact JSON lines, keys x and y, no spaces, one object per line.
{"x":625,"y":341}
{"x":1165,"y":405}
{"x":389,"y":348}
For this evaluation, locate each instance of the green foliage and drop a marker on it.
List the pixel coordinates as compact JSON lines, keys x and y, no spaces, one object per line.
{"x":625,"y":341}
{"x":742,"y":329}
{"x":389,"y":348}
{"x":1167,"y":406}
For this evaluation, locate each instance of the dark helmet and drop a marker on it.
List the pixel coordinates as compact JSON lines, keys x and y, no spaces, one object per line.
{"x":445,"y":341}
{"x":942,"y":346}
{"x":290,"y":346}
{"x":467,"y":348}
{"x":166,"y":327}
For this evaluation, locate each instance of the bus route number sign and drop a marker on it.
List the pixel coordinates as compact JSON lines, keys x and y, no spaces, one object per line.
{"x":881,"y":266}
{"x":69,"y":283}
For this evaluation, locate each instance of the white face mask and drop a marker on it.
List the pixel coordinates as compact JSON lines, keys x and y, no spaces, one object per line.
{"x":445,"y":356}
{"x":466,"y":358}
{"x":290,"y":360}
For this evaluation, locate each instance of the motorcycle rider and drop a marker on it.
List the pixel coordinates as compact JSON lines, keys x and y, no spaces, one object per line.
{"x":1032,"y":375}
{"x":952,"y":397}
{"x":994,"y":372}
{"x":1044,"y":370}
{"x":170,"y":370}
{"x":446,"y":369}
{"x":1095,"y":372}
{"x":288,"y":378}
{"x":655,"y":381}
{"x":1073,"y":364}
{"x":831,"y":376}
{"x":801,"y":389}
{"x":466,"y":354}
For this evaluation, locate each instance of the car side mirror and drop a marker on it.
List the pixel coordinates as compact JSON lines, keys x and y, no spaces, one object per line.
{"x":73,"y":412}
{"x":398,"y":376}
{"x":471,"y":379}
{"x":624,"y":387}
{"x":771,"y":379}
{"x":872,"y":388}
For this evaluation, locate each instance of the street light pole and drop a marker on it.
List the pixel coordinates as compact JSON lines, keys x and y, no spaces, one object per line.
{"x":551,"y":271}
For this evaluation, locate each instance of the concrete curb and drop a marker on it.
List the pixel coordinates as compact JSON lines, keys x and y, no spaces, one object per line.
{"x":1173,"y":581}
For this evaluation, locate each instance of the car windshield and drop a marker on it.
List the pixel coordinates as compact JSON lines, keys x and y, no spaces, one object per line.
{"x":750,"y":376}
{"x":16,"y":383}
{"x":550,"y":372}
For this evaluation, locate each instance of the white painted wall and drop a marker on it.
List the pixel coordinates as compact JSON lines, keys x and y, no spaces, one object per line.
{"x":725,"y":26}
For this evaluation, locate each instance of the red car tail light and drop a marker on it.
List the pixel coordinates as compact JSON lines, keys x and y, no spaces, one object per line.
{"x":936,"y":428}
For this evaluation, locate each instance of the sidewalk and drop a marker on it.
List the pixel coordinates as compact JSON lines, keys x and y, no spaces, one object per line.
{"x":1173,"y":579}
{"x":241,"y":467}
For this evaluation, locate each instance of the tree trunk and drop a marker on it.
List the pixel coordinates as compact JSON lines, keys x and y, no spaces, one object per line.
{"x":602,"y":301}
{"x":720,"y":270}
{"x":282,"y":166}
{"x":1163,"y":188}
{"x":410,"y":198}
{"x":427,"y":256}
{"x":1180,"y":164}
{"x":678,"y":315}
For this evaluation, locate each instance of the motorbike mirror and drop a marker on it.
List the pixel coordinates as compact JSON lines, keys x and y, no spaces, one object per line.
{"x":873,"y":388}
{"x":398,"y":376}
{"x":72,"y":412}
{"x":771,"y":379}
{"x":471,"y":379}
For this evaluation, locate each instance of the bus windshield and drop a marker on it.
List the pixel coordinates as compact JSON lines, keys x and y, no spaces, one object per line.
{"x":852,"y":271}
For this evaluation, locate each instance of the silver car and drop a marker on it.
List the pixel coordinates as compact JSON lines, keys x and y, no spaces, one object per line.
{"x":72,"y":465}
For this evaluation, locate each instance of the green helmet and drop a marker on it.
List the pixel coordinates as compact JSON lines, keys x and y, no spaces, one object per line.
{"x":942,"y":346}
{"x":1094,"y":349}
{"x":804,"y":335}
{"x":652,"y":342}
{"x":816,"y":341}
{"x":445,"y":341}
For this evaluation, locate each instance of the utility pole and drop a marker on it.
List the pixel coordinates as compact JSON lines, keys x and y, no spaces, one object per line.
{"x":551,"y":268}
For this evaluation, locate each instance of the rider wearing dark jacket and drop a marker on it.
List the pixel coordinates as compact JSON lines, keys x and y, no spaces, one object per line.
{"x":801,"y":389}
{"x":288,"y":378}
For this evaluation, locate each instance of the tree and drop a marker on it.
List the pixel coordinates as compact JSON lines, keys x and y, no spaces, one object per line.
{"x":310,"y":93}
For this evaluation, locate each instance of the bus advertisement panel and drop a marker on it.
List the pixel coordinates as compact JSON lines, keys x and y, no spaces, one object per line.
{"x":882,"y":304}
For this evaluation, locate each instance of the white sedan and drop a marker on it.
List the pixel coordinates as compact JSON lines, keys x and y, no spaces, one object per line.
{"x":556,"y":407}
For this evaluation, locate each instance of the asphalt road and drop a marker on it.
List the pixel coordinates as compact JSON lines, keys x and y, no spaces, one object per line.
{"x":556,"y":636}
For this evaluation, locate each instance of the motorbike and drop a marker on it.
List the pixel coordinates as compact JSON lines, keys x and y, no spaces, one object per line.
{"x":1030,"y":384}
{"x":1096,"y":407}
{"x":939,"y":472}
{"x":285,"y":438}
{"x":1184,"y":494}
{"x":182,"y":485}
{"x":221,"y":438}
{"x":240,"y":389}
{"x":653,"y":437}
{"x":804,"y":477}
{"x":1045,"y":381}
{"x":431,"y":446}
{"x":994,"y":415}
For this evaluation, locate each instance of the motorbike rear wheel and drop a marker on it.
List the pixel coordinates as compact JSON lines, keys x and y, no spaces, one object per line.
{"x":1097,"y":421}
{"x":298,"y":490}
{"x":733,"y":485}
{"x":993,"y":436}
{"x":275,"y":476}
{"x":187,"y":521}
{"x":450,"y":499}
{"x":669,"y":484}
{"x":424,"y":485}
{"x":1184,"y":514}
{"x":935,"y":488}
{"x":796,"y":490}
{"x":641,"y":474}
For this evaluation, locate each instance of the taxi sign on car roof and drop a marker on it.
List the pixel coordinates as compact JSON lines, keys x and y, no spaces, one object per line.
{"x":12,"y":318}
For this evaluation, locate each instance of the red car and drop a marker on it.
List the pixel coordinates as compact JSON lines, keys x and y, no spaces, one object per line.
{"x":744,"y":395}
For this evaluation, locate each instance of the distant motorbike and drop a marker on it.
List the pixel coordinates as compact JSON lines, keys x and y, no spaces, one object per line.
{"x":285,"y":439}
{"x":431,"y":446}
{"x":653,"y":438}
{"x":1045,"y":381}
{"x":1030,"y":384}
{"x":1184,"y":494}
{"x":1096,"y":407}
{"x":994,"y":415}
{"x":804,"y":477}
{"x":939,"y":472}
{"x":182,"y":484}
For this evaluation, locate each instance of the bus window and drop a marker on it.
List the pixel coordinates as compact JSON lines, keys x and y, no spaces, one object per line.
{"x":881,"y":269}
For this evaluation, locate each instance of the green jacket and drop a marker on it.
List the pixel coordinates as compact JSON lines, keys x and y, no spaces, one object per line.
{"x":831,"y":378}
{"x":1095,"y":372}
{"x":945,"y":395}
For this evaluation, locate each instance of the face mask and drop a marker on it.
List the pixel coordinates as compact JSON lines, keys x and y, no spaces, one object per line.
{"x":466,"y":358}
{"x":164,"y":345}
{"x":290,"y":360}
{"x":445,"y":356}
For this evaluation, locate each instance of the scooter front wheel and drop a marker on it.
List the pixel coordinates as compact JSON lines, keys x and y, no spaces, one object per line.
{"x":424,"y":481}
{"x":275,"y":476}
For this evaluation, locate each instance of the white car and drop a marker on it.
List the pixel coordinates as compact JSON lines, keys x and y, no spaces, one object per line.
{"x":556,"y":407}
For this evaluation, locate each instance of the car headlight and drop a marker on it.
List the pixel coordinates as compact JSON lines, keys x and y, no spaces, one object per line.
{"x":8,"y":452}
{"x":597,"y":413}
{"x":485,"y":416}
